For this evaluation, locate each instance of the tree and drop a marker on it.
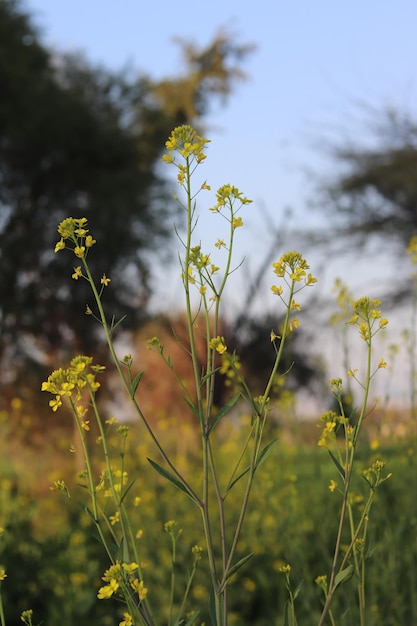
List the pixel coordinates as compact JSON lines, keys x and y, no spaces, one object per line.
{"x":82,"y":141}
{"x":375,"y":193}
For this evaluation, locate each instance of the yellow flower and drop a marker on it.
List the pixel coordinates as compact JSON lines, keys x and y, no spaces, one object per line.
{"x":217,"y":343}
{"x":332,"y":485}
{"x":140,"y":589}
{"x":277,"y":290}
{"x":55,"y":404}
{"x":237,"y":222}
{"x":104,"y":280}
{"x":108,"y":590}
{"x":79,"y":251}
{"x":115,"y":519}
{"x":60,"y":245}
{"x":127,"y":620}
{"x":3,"y":574}
{"x":77,"y":272}
{"x":89,"y":241}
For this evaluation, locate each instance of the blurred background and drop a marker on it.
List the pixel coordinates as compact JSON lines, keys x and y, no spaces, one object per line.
{"x":310,"y":108}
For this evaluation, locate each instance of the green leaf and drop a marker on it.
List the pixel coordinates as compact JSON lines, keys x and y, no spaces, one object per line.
{"x":236,"y":567}
{"x":297,"y":590}
{"x":134,"y":384}
{"x":212,"y":607}
{"x":238,"y":477}
{"x":338,"y":466}
{"x":223,"y":411}
{"x":192,"y":406}
{"x":171,"y":478}
{"x":289,"y":619}
{"x":343,"y":576}
{"x":126,"y":491}
{"x":264,"y":454}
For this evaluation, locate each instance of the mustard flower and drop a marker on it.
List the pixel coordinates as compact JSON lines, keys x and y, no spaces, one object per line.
{"x":332,"y":485}
{"x":114,"y":519}
{"x":60,"y":245}
{"x":293,"y":266}
{"x":321,"y":581}
{"x":89,"y":241}
{"x":139,"y":587}
{"x":196,"y":551}
{"x":237,"y":222}
{"x":55,"y":404}
{"x":77,"y":272}
{"x":105,"y":280}
{"x":79,"y":251}
{"x":277,"y":290}
{"x":130,"y":568}
{"x":127,"y":620}
{"x":412,"y":249}
{"x":26,"y":617}
{"x":285,"y":569}
{"x":217,"y":343}
{"x":106,"y":592}
{"x":187,"y":143}
{"x":3,"y":574}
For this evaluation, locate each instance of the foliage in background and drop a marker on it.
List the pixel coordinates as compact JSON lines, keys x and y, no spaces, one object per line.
{"x":74,"y":137}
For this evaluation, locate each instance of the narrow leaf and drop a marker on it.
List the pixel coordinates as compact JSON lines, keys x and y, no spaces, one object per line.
{"x":297,"y":590}
{"x":237,"y":566}
{"x":223,"y":411}
{"x":212,"y":607}
{"x":264,"y":454}
{"x":192,"y":406}
{"x":337,"y":464}
{"x":172,"y":479}
{"x":135,"y":383}
{"x":126,"y":491}
{"x":343,"y":576}
{"x":238,"y":477}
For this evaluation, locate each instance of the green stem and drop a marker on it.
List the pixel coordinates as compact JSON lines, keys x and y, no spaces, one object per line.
{"x":348,"y":474}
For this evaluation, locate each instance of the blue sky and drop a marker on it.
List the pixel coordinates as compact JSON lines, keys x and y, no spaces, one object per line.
{"x":315,"y":61}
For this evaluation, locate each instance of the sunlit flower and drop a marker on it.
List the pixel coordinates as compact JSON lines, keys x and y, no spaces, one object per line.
{"x":108,"y":590}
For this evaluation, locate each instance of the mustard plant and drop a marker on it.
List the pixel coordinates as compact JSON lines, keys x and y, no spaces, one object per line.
{"x":204,"y":284}
{"x":350,"y":559}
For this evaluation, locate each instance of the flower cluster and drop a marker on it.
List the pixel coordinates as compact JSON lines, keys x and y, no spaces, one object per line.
{"x":330,"y":421}
{"x":71,"y":382}
{"x":366,"y":315}
{"x":227,"y":196}
{"x":218,"y":344}
{"x":373,"y":475}
{"x":185,"y":141}
{"x":117,"y":576}
{"x":75,"y":236}
{"x":293,"y":268}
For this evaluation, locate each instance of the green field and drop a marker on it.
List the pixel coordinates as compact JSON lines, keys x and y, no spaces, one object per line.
{"x":54,"y":564}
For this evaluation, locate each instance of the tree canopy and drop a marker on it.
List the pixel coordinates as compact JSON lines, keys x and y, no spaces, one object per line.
{"x":78,"y":140}
{"x":375,"y":192}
